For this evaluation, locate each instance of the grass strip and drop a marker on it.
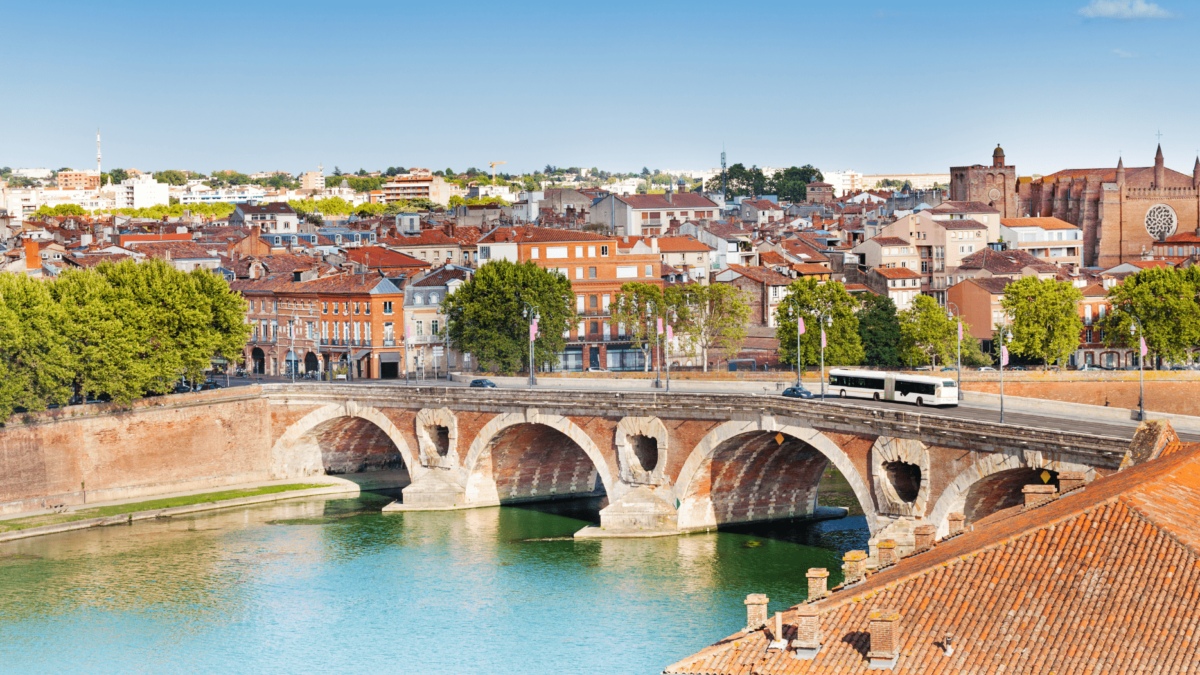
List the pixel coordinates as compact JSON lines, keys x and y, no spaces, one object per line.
{"x":152,"y":505}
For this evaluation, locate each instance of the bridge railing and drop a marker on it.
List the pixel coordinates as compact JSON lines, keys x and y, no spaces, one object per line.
{"x":926,"y":425}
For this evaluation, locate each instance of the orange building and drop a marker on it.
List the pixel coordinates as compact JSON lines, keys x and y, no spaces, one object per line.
{"x":597,"y":269}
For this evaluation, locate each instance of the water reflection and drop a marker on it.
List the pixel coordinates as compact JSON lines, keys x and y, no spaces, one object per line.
{"x":326,"y":584}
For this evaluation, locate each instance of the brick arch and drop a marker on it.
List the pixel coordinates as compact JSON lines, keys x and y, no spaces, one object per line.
{"x":298,"y":453}
{"x":481,"y":487}
{"x":695,"y":515}
{"x":954,"y":496}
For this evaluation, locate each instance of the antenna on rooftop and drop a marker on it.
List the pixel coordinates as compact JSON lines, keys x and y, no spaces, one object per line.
{"x":98,"y":153}
{"x":724,"y":191}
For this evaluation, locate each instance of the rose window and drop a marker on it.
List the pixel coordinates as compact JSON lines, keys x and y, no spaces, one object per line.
{"x":1161,"y":221}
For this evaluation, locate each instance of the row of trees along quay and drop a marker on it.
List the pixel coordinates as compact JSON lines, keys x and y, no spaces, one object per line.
{"x":118,"y":331}
{"x":488,"y":316}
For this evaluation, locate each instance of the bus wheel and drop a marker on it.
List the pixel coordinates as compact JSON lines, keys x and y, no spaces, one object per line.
{"x":876,"y":396}
{"x":920,"y":402}
{"x":843,"y":394}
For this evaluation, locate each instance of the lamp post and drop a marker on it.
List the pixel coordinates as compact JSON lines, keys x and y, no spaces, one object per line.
{"x":531,"y":315}
{"x":1005,"y":337}
{"x":825,"y":318}
{"x":655,"y":322}
{"x":1135,"y":328}
{"x":670,"y":334}
{"x":951,"y":314}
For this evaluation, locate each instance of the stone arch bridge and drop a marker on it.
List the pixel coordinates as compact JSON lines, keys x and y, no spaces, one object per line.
{"x":672,"y":463}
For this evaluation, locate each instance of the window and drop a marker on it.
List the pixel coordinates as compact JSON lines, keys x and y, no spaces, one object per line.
{"x":579,"y":303}
{"x":418,"y":299}
{"x":356,"y":308}
{"x":449,"y":254}
{"x":595,"y":328}
{"x":433,"y":327}
{"x":345,"y":307}
{"x":578,"y":272}
{"x":367,"y":308}
{"x":336,"y":307}
{"x":324,"y":307}
{"x":556,"y":251}
{"x":605,"y":301}
{"x":591,"y":251}
{"x":626,"y":272}
{"x":594,"y":302}
{"x":387,"y":306}
{"x":591,"y":272}
{"x":578,"y":251}
{"x":649,"y":271}
{"x":485,"y":252}
{"x":603,"y":251}
{"x":533,"y":253}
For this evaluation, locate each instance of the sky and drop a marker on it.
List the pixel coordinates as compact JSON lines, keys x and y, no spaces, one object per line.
{"x":878,"y":86}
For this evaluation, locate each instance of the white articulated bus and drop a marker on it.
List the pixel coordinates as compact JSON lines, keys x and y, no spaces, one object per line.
{"x":918,"y":389}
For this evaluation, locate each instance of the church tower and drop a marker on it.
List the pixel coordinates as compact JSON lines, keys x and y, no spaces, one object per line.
{"x":998,"y":157}
{"x":1196,"y":175}
{"x":1120,"y":171}
{"x":1160,"y":172}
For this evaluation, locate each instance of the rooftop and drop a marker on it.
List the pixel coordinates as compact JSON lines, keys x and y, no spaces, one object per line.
{"x":1040,"y":223}
{"x":963,"y":207}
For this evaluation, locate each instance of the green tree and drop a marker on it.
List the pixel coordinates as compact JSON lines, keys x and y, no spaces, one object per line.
{"x":709,"y":317}
{"x":34,"y":363}
{"x":45,"y":211}
{"x":1045,"y":318}
{"x":485,"y":316}
{"x":927,"y":332}
{"x":808,"y":298}
{"x":1166,"y":302}
{"x":637,"y":307}
{"x":171,"y":177}
{"x":791,"y":184}
{"x":879,"y":330}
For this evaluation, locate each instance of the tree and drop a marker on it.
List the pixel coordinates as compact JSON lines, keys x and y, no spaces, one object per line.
{"x":33,"y":354}
{"x":171,"y":177}
{"x":928,"y":332}
{"x":485,"y":316}
{"x":791,"y":184}
{"x":1166,"y":302}
{"x":1045,"y":318}
{"x":879,"y":330}
{"x":808,"y":298}
{"x":337,"y":171}
{"x":710,"y":317}
{"x":45,"y":211}
{"x":637,"y":308}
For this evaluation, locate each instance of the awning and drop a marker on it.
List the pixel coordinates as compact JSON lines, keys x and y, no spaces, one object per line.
{"x":359,"y":354}
{"x":390,"y":357}
{"x":291,"y":356}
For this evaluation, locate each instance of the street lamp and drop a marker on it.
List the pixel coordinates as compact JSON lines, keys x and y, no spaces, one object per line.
{"x":656,"y":323}
{"x":531,"y":315}
{"x":1135,"y":328}
{"x":951,"y":315}
{"x":670,"y":334}
{"x":826,"y":318}
{"x":1005,"y":337}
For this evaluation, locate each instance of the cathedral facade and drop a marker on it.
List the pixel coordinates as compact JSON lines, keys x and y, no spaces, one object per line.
{"x":1122,"y":212}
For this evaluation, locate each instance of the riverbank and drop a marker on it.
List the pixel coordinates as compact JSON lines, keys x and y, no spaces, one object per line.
{"x":123,"y":512}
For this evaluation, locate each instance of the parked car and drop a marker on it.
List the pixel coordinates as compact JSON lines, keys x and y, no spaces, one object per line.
{"x":210,"y":385}
{"x":986,"y":369}
{"x":797,"y":392}
{"x":483,"y":384}
{"x":920,"y":368}
{"x":597,"y":370}
{"x":1020,"y":368}
{"x":949,"y":369}
{"x":182,"y":388}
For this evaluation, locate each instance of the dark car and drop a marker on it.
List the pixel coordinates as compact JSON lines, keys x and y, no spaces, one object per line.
{"x":210,"y":385}
{"x":949,"y":369}
{"x":182,"y":388}
{"x":1017,"y":368}
{"x":797,"y":392}
{"x":483,"y":384}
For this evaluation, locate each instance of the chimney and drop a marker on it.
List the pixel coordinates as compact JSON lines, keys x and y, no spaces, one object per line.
{"x":923,"y":537}
{"x":885,"y":642}
{"x":887,"y":552}
{"x":1069,"y":480}
{"x":956,"y":521}
{"x":808,"y":632}
{"x":1036,"y":495}
{"x":33,"y":255}
{"x":654,"y":244}
{"x":852,"y":566}
{"x":818,"y":580}
{"x":777,"y":633}
{"x":756,"y":611}
{"x":668,"y":196}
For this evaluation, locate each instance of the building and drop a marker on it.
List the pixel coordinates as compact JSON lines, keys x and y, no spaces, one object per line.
{"x":597,"y":269}
{"x":764,"y":289}
{"x":304,"y":323}
{"x":978,"y":303}
{"x":88,"y":179}
{"x":888,"y":252}
{"x":389,"y":263}
{"x":184,"y":256}
{"x":429,"y":350}
{"x":433,"y":246}
{"x":994,"y":186}
{"x":238,"y":194}
{"x":917,"y":181}
{"x":843,"y":182}
{"x":977,"y":211}
{"x":312,"y":180}
{"x":760,"y":211}
{"x":1179,"y":246}
{"x":418,"y":184}
{"x":819,"y":192}
{"x":1012,"y":264}
{"x":1068,"y":580}
{"x":731,"y":244}
{"x":140,"y":192}
{"x":941,"y":244}
{"x":901,"y":284}
{"x":272,"y":218}
{"x":688,"y":255}
{"x":1122,"y":211}
{"x":1049,"y":239}
{"x":649,"y":215}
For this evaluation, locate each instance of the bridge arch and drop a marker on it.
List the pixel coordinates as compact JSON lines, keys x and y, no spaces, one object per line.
{"x":997,"y":466}
{"x":697,"y":511}
{"x":306,"y":448}
{"x":479,"y":470}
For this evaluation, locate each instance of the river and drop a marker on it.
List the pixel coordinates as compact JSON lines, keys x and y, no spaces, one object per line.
{"x":333,"y":585}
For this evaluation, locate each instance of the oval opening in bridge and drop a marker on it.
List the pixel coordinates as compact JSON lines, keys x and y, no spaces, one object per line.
{"x":441,"y":440}
{"x":645,"y":449}
{"x":905,"y":479}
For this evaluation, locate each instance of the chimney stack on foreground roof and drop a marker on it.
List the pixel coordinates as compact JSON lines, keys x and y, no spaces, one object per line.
{"x":923,"y":537}
{"x":808,"y":632}
{"x":887,"y":552}
{"x":818,"y":580}
{"x":756,"y":611}
{"x":885,"y":639}
{"x":1036,"y":495}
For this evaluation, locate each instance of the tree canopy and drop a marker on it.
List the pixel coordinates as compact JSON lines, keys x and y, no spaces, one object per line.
{"x":928,"y":333}
{"x":879,"y":330}
{"x":485,"y":316}
{"x":809,"y":298}
{"x":1165,"y":302}
{"x":790,"y":184}
{"x":709,"y":317}
{"x":1045,"y":318}
{"x":637,"y":309}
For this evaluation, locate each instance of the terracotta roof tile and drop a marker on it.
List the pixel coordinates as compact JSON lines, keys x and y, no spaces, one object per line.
{"x":1041,"y":223}
{"x":763,"y":275}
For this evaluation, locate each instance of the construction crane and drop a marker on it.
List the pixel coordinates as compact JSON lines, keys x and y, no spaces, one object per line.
{"x":493,"y":165}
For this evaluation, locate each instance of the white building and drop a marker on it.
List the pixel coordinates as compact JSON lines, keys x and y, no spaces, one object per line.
{"x":140,"y":192}
{"x":202,"y":194}
{"x":843,"y":182}
{"x":35,"y":174}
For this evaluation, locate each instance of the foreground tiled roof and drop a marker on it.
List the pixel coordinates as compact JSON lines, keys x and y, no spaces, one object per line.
{"x":763,"y":275}
{"x":1000,"y":262}
{"x":171,"y":250}
{"x":537,"y":235}
{"x":963,"y":207}
{"x":1104,"y":579}
{"x":679,"y":200}
{"x":895,"y":272}
{"x":377,"y":256}
{"x":685,"y":244}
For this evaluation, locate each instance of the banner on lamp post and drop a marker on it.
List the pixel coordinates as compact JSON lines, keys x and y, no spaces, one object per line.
{"x":822,"y":338}
{"x":660,"y":326}
{"x":1003,"y":356}
{"x":1143,"y":346}
{"x":670,"y":333}
{"x":801,"y":325}
{"x":960,"y":330}
{"x":533,"y":330}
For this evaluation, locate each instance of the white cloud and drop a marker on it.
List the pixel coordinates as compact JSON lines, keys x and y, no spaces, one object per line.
{"x":1124,"y":54}
{"x":1124,"y":9}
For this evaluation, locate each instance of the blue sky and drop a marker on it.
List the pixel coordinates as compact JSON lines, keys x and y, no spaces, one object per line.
{"x":875,"y":86}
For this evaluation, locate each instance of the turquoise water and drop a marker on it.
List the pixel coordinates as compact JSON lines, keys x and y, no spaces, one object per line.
{"x":322,"y":586}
